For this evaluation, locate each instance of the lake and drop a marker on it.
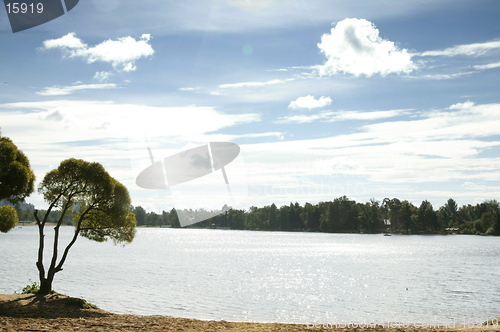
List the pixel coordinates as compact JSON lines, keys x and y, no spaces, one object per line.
{"x":273,"y":276}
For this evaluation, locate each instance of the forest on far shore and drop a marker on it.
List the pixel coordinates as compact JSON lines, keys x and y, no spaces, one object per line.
{"x":341,"y":215}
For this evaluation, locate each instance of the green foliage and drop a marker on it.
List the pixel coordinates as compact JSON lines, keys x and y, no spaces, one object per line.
{"x":495,"y":321}
{"x":448,"y":214}
{"x":140,"y":215}
{"x":112,"y":220}
{"x":427,"y":219}
{"x":104,"y":203}
{"x":32,"y":288}
{"x":345,"y":215}
{"x":370,"y":216}
{"x":16,"y":176}
{"x":8,"y":218}
{"x":81,"y":303}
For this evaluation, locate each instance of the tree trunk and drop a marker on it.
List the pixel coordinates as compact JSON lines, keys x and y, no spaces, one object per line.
{"x":45,"y":286}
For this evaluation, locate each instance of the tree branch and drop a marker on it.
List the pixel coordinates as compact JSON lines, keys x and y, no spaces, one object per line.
{"x":52,"y":269}
{"x":68,"y":247}
{"x":50,"y":208}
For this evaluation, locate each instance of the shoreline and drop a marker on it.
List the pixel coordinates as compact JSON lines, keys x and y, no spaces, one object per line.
{"x":22,"y":224}
{"x":29,"y":312}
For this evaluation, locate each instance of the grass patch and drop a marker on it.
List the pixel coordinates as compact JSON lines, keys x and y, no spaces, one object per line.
{"x":81,"y":303}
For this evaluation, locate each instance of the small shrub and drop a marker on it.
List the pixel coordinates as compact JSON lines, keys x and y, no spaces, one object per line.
{"x":88,"y":305}
{"x":32,"y":288}
{"x":81,"y":303}
{"x":492,"y":322}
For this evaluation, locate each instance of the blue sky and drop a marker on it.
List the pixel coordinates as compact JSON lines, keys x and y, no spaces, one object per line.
{"x":368,"y":99}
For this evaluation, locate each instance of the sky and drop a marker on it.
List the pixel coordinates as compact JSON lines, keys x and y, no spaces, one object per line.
{"x":368,"y":99}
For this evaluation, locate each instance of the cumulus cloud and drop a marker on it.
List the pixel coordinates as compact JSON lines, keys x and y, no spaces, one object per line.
{"x":121,"y":53}
{"x":310,"y":102}
{"x":354,"y":46}
{"x":67,"y":90}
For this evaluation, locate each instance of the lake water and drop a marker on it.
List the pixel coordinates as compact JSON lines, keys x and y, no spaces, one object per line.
{"x":274,"y":276}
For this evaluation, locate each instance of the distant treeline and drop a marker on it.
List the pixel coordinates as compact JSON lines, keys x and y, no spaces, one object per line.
{"x":339,"y":215}
{"x":25,"y":211}
{"x":345,"y":215}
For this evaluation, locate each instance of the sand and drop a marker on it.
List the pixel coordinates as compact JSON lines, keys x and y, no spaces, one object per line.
{"x":57,"y":312}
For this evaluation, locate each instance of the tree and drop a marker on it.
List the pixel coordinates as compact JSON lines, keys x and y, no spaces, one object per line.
{"x":16,"y":181}
{"x":16,"y":176}
{"x":369,"y":215}
{"x":8,"y":218}
{"x":103,"y":210}
{"x":140,"y":215}
{"x":311,"y":217}
{"x":448,"y":214}
{"x":395,"y":213}
{"x":273,"y":219}
{"x":407,"y":215}
{"x":426,"y":217}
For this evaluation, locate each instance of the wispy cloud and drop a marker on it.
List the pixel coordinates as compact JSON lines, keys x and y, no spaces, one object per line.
{"x":67,"y":90}
{"x":354,"y":46}
{"x":108,"y":119}
{"x":102,"y":76}
{"x":254,"y":84}
{"x":310,"y":102}
{"x":228,"y":137}
{"x":331,"y":116}
{"x":442,"y":76}
{"x":438,"y":146}
{"x":188,"y":89}
{"x":121,"y":53}
{"x":476,"y":49}
{"x":488,"y":66}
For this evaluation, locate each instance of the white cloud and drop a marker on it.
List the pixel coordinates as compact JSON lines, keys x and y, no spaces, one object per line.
{"x":188,"y":89}
{"x":442,"y":76}
{"x":67,"y":90}
{"x":488,"y":66}
{"x":276,"y":134}
{"x":102,"y":76}
{"x":374,"y":115}
{"x":254,"y":84}
{"x":310,"y":102}
{"x":113,"y":133}
{"x":121,"y":53}
{"x":69,"y":41}
{"x":227,"y":137}
{"x":442,"y":144}
{"x":476,"y":49}
{"x":330,"y":116}
{"x":354,"y":46}
{"x":303,"y":118}
{"x":117,"y":119}
{"x":216,"y":93}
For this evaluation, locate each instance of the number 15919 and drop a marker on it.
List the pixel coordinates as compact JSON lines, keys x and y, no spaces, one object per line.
{"x":23,"y":8}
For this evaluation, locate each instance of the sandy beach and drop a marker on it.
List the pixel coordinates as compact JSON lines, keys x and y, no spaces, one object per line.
{"x":57,"y":312}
